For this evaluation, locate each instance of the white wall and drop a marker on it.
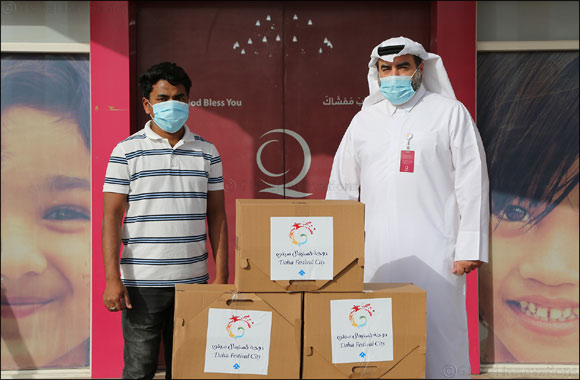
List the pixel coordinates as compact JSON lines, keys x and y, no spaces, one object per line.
{"x":45,"y":26}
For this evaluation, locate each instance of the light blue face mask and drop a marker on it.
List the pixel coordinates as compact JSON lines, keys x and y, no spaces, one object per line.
{"x":170,"y":115}
{"x":398,"y":89}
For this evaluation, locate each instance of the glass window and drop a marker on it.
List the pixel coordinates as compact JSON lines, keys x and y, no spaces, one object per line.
{"x":45,"y":26}
{"x":527,"y":20}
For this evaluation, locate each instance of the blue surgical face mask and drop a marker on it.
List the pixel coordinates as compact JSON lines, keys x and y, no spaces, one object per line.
{"x":170,"y":115}
{"x":398,"y":89}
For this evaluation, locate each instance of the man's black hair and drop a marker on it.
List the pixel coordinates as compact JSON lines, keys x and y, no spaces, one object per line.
{"x":418,"y":60}
{"x":163,"y":71}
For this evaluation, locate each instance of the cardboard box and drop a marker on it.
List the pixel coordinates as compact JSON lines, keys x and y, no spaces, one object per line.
{"x":232,"y":346}
{"x":300,"y":227}
{"x":407,"y":337}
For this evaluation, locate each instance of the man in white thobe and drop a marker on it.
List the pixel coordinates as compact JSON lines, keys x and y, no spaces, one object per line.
{"x":414,"y":157}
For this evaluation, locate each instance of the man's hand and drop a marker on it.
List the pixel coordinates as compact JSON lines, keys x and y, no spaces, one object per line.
{"x":465,"y":266}
{"x":116,"y":297}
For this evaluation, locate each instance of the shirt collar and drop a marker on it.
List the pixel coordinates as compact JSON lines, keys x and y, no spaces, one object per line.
{"x":407,"y":106}
{"x":187,"y":136}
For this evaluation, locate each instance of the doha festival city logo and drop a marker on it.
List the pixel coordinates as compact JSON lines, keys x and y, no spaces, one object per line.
{"x":360,"y":314}
{"x":301,"y":248}
{"x":237,"y":325}
{"x":237,"y":341}
{"x":300,"y":231}
{"x":366,"y":335}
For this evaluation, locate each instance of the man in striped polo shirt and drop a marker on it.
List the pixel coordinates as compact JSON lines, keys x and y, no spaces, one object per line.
{"x":166,"y":180}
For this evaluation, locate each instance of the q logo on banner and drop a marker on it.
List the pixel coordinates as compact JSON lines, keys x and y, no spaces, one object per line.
{"x":240,"y":330}
{"x":358,"y":314}
{"x":284,"y":190}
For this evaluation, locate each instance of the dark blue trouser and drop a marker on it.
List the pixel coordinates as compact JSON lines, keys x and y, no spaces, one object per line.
{"x":150,"y":320}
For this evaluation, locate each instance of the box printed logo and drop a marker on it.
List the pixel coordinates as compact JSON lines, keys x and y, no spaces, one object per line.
{"x":301,"y":248}
{"x":299,"y":230}
{"x":359,"y":314}
{"x":240,"y":322}
{"x":366,"y":335}
{"x":243,"y":346}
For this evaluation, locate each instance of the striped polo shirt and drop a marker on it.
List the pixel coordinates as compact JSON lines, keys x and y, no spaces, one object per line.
{"x":164,"y":231}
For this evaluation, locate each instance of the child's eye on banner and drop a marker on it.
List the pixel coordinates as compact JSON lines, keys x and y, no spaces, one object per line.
{"x":514,"y":213}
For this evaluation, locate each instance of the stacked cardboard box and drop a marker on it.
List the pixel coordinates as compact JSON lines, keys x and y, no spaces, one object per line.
{"x":212,"y":331}
{"x":390,"y":344}
{"x":281,"y":245}
{"x":298,"y":308}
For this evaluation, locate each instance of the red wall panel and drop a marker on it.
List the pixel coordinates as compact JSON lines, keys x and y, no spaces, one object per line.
{"x":326,"y":58}
{"x":453,"y":37}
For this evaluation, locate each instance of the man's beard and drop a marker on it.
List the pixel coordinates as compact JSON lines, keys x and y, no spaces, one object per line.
{"x":417,"y":80}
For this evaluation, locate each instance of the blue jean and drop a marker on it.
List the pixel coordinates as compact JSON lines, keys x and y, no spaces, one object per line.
{"x":149,"y":321}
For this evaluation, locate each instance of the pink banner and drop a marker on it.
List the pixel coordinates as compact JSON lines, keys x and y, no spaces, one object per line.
{"x":110,"y":102}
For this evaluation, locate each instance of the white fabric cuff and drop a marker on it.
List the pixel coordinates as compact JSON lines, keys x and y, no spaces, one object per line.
{"x":469,"y":247}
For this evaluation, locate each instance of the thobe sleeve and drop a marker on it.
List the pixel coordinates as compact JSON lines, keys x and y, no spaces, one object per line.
{"x":471,"y":187}
{"x":345,"y":175}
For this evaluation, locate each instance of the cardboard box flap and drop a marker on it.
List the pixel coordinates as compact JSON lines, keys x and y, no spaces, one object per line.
{"x":225,"y":297}
{"x":416,"y":353}
{"x":218,"y":297}
{"x":304,"y":285}
{"x":195,"y":294}
{"x":240,"y":301}
{"x":286,"y":311}
{"x":331,"y":372}
{"x":368,"y":370}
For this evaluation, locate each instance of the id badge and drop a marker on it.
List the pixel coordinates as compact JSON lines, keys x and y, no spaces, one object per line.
{"x":407,"y":161}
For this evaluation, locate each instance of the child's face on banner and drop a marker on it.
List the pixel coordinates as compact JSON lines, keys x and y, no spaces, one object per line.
{"x":532,"y":309}
{"x":45,"y":238}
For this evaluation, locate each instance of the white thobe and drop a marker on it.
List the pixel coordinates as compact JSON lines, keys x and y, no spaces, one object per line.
{"x":417,"y":223}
